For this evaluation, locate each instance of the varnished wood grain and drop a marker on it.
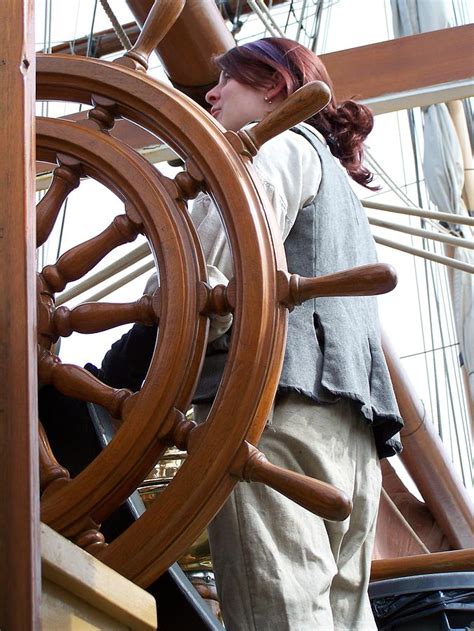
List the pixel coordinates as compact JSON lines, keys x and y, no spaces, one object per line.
{"x":181,"y":336}
{"x":452,"y":561}
{"x":79,"y":260}
{"x":299,"y":106}
{"x":366,"y":280}
{"x":199,"y":34}
{"x":19,"y":479}
{"x":192,"y":133}
{"x":49,"y":467}
{"x":428,"y":462}
{"x":84,"y":586}
{"x":402,"y":64}
{"x":94,"y":317}
{"x":318,"y":497}
{"x":64,"y":181}
{"x":160,"y":19}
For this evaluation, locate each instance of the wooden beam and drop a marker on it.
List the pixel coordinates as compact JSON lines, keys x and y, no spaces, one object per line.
{"x":19,"y":486}
{"x":402,"y":64}
{"x":434,"y":563}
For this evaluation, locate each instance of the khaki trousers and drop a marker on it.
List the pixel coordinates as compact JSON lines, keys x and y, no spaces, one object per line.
{"x":277,"y":566}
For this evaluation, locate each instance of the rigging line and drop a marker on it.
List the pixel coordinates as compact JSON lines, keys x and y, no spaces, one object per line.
{"x":454,"y":373}
{"x":404,"y":521}
{"x":411,"y":124}
{"x":72,"y":44}
{"x":389,"y":32}
{"x":61,"y":231}
{"x":91,"y":34}
{"x":418,"y":212}
{"x":300,"y":23}
{"x":428,"y":271}
{"x":327,"y":22}
{"x":466,"y":398}
{"x":455,"y":12}
{"x":275,"y":32}
{"x":438,"y":227}
{"x":392,"y":185}
{"x":401,"y":149}
{"x":119,"y":31}
{"x":447,"y":382}
{"x":266,"y":11}
{"x":426,"y":254}
{"x":50,"y":21}
{"x":146,"y":267}
{"x":236,"y":20}
{"x":317,"y":25}
{"x":430,"y":350}
{"x":431,"y":235}
{"x":290,"y":11}
{"x":442,"y":311}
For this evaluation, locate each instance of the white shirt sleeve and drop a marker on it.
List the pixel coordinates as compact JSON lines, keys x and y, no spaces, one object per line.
{"x":290,"y":172}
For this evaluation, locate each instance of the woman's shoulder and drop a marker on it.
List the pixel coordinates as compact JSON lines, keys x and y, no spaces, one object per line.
{"x":287,"y":148}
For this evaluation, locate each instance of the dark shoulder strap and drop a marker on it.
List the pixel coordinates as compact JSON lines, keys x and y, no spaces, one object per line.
{"x":310,"y":136}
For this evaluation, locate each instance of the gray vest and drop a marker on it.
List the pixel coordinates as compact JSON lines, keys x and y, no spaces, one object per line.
{"x":333,"y":347}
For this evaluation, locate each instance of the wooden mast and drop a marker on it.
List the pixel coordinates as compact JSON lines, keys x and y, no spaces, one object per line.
{"x":427,"y":461}
{"x":19,"y":487}
{"x":198,"y":34}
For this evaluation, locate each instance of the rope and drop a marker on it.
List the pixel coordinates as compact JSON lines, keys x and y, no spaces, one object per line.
{"x":91,"y":34}
{"x":119,"y":31}
{"x":404,"y":521}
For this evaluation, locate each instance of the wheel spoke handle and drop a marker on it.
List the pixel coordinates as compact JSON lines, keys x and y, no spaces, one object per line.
{"x":366,"y":280}
{"x":161,"y":18}
{"x":93,"y":317}
{"x":318,"y":497}
{"x":79,"y":260}
{"x":298,"y":107}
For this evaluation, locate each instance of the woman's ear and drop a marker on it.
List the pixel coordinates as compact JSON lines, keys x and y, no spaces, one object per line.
{"x":277,"y":89}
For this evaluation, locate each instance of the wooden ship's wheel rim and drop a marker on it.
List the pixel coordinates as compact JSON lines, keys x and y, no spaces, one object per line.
{"x":258,"y":334}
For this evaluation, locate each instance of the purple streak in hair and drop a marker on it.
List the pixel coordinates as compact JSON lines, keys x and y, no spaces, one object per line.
{"x":268,"y":49}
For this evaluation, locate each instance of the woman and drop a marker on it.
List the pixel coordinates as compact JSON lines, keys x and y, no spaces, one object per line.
{"x":277,"y":566}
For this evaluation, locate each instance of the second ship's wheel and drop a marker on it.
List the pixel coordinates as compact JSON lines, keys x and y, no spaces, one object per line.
{"x":219,"y":451}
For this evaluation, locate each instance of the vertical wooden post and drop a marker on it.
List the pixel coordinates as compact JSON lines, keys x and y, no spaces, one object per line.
{"x":19,"y":488}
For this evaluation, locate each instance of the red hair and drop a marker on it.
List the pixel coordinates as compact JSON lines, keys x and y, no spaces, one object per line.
{"x":345,"y":125}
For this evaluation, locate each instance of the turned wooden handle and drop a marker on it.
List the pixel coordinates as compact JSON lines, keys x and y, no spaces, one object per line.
{"x":298,"y":107}
{"x":366,"y":280}
{"x":161,"y":18}
{"x":318,"y":497}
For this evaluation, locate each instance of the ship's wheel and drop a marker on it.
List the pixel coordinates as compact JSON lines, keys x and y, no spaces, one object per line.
{"x":220,"y":451}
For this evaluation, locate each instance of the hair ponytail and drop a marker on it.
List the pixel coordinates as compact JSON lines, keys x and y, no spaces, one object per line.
{"x":345,"y":127}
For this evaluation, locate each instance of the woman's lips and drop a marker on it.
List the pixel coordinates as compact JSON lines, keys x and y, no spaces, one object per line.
{"x":215,"y":111}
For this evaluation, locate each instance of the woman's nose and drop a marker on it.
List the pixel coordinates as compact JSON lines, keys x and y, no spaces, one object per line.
{"x":212,"y":95}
